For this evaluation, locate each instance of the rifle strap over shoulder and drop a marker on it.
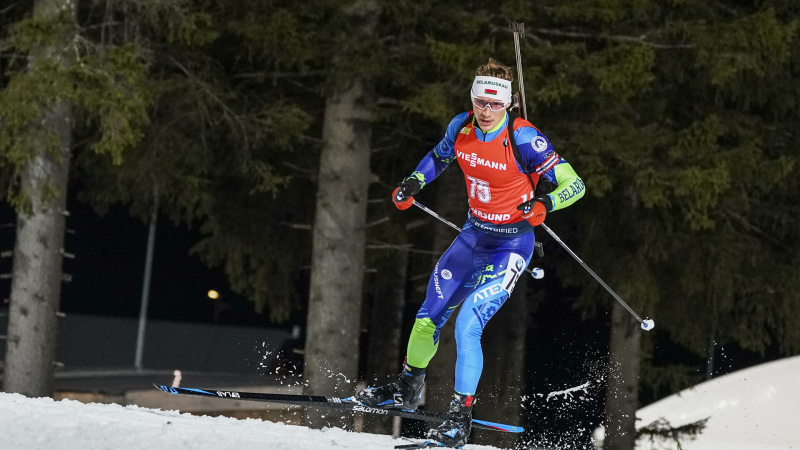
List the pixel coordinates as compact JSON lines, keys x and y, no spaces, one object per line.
{"x":466,"y":121}
{"x":512,"y":119}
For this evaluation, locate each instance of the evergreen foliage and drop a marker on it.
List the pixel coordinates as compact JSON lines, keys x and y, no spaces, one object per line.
{"x":106,"y":88}
{"x":661,"y":430}
{"x":679,"y":115}
{"x":209,"y":151}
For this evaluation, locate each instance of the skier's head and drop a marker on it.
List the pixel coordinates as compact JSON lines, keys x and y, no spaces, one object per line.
{"x":491,"y":93}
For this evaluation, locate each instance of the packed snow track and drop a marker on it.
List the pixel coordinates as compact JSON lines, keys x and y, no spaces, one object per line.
{"x":44,"y":424}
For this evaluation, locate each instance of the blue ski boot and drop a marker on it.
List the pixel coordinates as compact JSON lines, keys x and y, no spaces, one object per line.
{"x":454,"y":432}
{"x":404,"y":393}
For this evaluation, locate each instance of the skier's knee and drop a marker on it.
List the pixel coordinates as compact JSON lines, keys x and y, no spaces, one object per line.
{"x":467,"y":332}
{"x":422,"y":343}
{"x":423,"y":328}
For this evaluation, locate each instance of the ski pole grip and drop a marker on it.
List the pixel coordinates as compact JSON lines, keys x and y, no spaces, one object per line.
{"x":401,"y":202}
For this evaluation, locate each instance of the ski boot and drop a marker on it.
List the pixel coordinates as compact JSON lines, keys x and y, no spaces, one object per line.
{"x":404,"y":393}
{"x":454,"y":432}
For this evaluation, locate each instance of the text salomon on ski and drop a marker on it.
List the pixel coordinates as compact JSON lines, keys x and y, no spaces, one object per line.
{"x":346,"y":404}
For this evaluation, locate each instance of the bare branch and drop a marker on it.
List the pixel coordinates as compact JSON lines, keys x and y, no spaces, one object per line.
{"x":313,"y":139}
{"x":728,"y":9}
{"x":540,"y":41}
{"x":385,"y":148}
{"x":748,"y":226}
{"x":378,"y":245}
{"x":273,"y":75}
{"x":226,"y":109}
{"x":421,"y":276}
{"x":425,"y":221}
{"x":377,"y":222}
{"x":9,"y":8}
{"x":381,"y":101}
{"x":616,"y":38}
{"x":297,"y":226}
{"x":404,"y":247}
{"x":309,"y":172}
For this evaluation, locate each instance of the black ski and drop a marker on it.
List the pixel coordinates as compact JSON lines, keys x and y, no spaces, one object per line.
{"x":347,"y":404}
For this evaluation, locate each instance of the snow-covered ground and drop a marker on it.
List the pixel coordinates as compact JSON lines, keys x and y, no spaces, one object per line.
{"x":751,"y":409}
{"x":45,"y":424}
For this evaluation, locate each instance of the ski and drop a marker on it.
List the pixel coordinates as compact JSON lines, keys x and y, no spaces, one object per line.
{"x":426,"y":444}
{"x":346,"y":404}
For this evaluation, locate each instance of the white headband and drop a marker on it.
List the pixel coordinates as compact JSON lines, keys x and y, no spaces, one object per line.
{"x":491,"y":87}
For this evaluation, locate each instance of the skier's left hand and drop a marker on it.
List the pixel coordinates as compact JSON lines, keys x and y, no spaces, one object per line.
{"x":535,"y":210}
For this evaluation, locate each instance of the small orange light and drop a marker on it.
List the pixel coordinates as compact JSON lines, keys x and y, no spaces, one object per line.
{"x":212,"y":294}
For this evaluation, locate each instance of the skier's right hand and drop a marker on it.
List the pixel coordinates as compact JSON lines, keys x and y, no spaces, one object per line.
{"x":404,"y":192}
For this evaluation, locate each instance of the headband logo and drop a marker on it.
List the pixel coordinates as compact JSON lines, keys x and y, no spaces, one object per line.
{"x":490,"y":91}
{"x":493,"y":83}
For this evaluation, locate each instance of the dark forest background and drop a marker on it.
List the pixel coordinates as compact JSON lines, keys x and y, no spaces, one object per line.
{"x":266,"y":136}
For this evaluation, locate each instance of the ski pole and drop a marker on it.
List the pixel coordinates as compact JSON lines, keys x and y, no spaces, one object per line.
{"x":647,"y":324}
{"x":519,"y":30}
{"x":535,"y":272}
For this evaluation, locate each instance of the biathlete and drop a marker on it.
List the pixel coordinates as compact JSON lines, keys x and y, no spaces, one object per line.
{"x":484,"y":262}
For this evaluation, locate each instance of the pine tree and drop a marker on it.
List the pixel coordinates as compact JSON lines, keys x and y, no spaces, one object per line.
{"x":147,"y":90}
{"x":36,"y":283}
{"x":56,"y":81}
{"x":337,"y":269}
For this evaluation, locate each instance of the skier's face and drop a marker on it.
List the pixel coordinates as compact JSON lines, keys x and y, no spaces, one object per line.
{"x":487,"y":119}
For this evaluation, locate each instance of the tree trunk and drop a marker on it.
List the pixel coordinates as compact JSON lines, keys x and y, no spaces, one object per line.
{"x":503,"y":382}
{"x":385,"y":329}
{"x":36,"y":283}
{"x":451,"y":203}
{"x":622,"y":392}
{"x":337,"y":269}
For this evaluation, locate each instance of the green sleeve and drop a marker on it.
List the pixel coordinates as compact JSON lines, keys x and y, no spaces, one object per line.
{"x":570,"y":187}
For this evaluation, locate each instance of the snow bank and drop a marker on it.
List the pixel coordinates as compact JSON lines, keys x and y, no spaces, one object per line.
{"x":752,"y":409}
